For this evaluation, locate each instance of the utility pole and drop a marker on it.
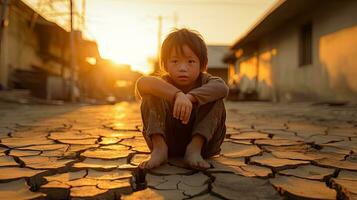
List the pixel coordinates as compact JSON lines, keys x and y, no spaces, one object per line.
{"x":175,"y":20}
{"x":73,"y":78}
{"x":159,"y":33}
{"x":83,"y":15}
{"x":3,"y":25}
{"x":160,"y":19}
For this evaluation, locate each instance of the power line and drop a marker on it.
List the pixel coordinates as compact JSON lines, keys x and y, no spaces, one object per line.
{"x":196,"y":2}
{"x":58,"y":11}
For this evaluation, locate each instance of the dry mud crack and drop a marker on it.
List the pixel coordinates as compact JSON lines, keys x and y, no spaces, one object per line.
{"x":90,"y":152}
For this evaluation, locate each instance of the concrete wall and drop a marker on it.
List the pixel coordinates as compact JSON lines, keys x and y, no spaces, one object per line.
{"x":222,"y":73}
{"x":331,"y":76}
{"x":27,"y":42}
{"x":215,"y":54}
{"x":19,"y":45}
{"x":22,"y":45}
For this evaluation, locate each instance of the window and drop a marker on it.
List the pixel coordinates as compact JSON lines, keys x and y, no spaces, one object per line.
{"x":305,"y":49}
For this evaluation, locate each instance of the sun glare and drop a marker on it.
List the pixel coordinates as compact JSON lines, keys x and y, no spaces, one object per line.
{"x":126,"y":40}
{"x":123,"y":49}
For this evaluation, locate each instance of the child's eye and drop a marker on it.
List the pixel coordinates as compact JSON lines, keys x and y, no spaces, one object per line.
{"x":191,"y":61}
{"x":174,"y":61}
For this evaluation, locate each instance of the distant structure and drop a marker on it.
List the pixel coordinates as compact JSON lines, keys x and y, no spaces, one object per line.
{"x":216,"y":66}
{"x":299,"y":50}
{"x":34,"y":52}
{"x":35,"y":55}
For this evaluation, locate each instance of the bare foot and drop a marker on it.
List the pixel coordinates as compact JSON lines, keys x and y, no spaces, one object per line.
{"x":195,"y":160}
{"x":157,"y":158}
{"x":193,"y":155}
{"x":159,"y":154}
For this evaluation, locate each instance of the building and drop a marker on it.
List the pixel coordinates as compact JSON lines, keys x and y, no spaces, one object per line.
{"x":216,"y":66}
{"x":31,"y":47}
{"x":35,"y":53}
{"x":108,"y":78}
{"x":299,"y":50}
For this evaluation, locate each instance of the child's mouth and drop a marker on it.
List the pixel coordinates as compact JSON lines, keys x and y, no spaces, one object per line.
{"x":183,"y":77}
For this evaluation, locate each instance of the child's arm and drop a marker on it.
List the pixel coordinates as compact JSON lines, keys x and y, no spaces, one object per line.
{"x":214,"y":89}
{"x":162,"y":89}
{"x":156,"y":87}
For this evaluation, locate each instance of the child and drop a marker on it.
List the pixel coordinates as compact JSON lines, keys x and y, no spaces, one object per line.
{"x":183,"y":111}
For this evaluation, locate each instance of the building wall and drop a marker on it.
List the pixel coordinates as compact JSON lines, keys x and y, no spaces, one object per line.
{"x":255,"y":73}
{"x":331,"y":76}
{"x":336,"y":49}
{"x":22,"y":45}
{"x":27,"y":42}
{"x":215,"y":65}
{"x":19,"y":45}
{"x":215,"y":54}
{"x":222,"y":73}
{"x":54,"y":49}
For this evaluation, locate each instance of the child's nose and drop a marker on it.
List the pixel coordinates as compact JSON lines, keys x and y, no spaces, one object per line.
{"x":183,"y":66}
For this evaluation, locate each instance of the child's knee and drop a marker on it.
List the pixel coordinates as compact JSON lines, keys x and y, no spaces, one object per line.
{"x":219,"y":106}
{"x":153,"y":103}
{"x":148,"y":101}
{"x":213,"y":111}
{"x":210,"y":119}
{"x":153,"y":115}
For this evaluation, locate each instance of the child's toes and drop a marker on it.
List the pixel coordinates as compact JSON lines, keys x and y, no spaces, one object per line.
{"x":143,"y":165}
{"x":198,"y":165}
{"x":149,"y":165}
{"x":193,"y":164}
{"x":203,"y":165}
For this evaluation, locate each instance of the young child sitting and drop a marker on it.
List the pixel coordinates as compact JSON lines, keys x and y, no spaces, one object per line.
{"x":183,"y":111}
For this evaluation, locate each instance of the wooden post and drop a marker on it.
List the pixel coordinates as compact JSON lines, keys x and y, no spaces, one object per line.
{"x":159,"y":33}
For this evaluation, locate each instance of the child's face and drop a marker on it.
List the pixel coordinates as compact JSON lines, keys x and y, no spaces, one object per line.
{"x":183,"y":69}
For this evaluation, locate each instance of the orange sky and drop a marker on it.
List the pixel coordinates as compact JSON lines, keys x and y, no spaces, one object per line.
{"x":126,"y":31}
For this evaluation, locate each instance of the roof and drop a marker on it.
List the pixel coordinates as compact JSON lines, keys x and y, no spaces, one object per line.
{"x":40,"y":19}
{"x":89,"y":48}
{"x":278,"y":14}
{"x":215,"y":55}
{"x":229,"y":57}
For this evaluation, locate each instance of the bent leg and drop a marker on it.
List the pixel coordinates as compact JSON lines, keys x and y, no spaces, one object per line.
{"x":153,"y":112}
{"x":158,"y":119}
{"x":207,"y":135}
{"x":210,"y":123}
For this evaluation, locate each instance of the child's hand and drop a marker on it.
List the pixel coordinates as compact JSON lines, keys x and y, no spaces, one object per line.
{"x":182,"y":107}
{"x":191,"y":98}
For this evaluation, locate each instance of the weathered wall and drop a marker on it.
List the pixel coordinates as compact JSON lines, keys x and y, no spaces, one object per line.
{"x":331,"y":76}
{"x":222,"y":73}
{"x":22,"y":44}
{"x":27,"y":42}
{"x":338,"y":54}
{"x":19,"y":45}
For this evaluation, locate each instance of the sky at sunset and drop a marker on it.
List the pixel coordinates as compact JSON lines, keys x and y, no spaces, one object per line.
{"x":127,"y":31}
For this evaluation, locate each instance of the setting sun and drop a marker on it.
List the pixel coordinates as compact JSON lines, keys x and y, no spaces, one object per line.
{"x":127,"y":32}
{"x":126,"y":48}
{"x":128,"y":38}
{"x":130,"y":33}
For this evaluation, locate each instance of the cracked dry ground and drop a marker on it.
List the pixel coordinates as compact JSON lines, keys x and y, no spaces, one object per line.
{"x":272,"y":151}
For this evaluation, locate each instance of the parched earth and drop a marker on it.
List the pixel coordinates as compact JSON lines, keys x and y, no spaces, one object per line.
{"x":272,"y":151}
